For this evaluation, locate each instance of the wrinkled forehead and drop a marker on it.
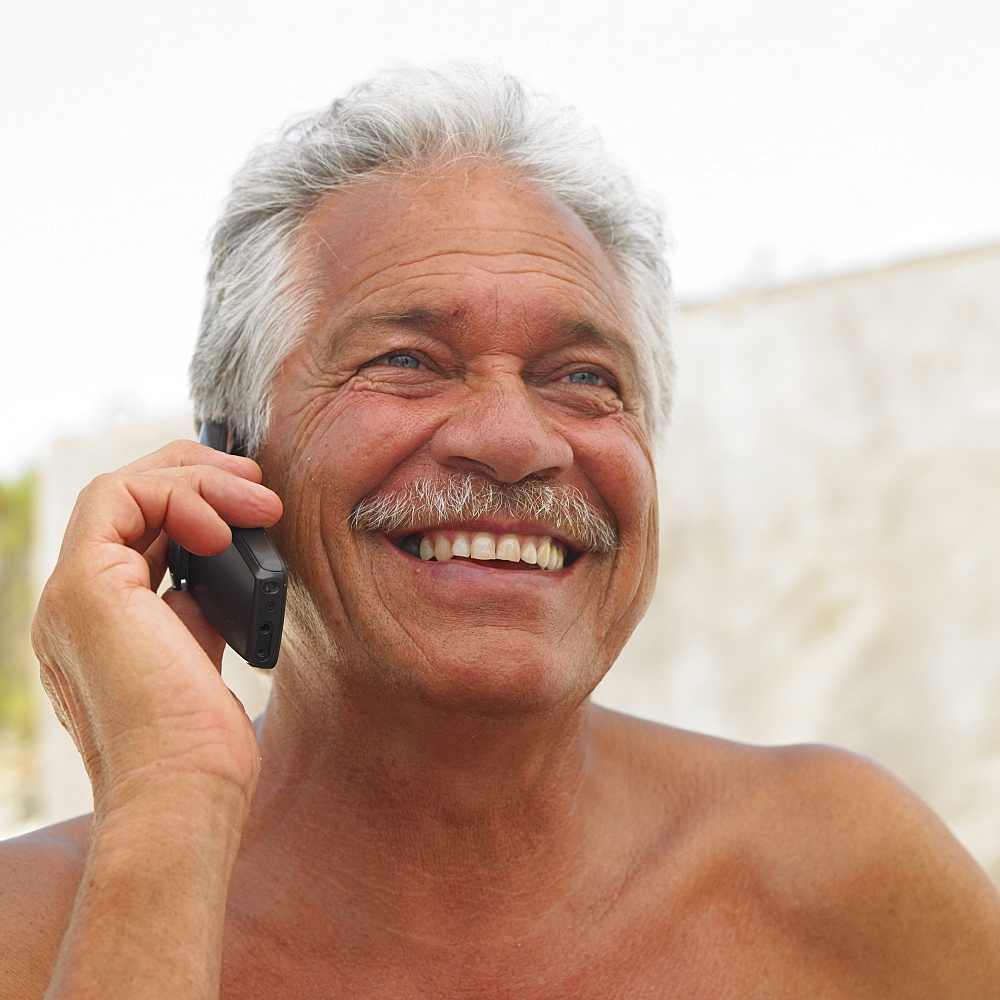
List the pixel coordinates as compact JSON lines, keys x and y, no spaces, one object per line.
{"x":444,"y":240}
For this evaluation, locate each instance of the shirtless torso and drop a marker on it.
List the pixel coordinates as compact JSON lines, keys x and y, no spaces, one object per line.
{"x":725,"y":871}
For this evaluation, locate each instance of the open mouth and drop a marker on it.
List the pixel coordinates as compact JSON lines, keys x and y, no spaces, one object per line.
{"x":500,"y":551}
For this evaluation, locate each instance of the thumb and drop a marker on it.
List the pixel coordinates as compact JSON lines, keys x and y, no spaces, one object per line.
{"x":186,"y":608}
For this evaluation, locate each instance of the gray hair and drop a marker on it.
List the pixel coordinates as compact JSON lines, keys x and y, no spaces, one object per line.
{"x":254,"y":312}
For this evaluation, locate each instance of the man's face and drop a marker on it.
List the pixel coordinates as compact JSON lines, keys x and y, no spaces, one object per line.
{"x":467,"y":324}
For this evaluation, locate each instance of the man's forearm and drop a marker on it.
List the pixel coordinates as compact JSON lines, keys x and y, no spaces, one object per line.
{"x":148,"y":916}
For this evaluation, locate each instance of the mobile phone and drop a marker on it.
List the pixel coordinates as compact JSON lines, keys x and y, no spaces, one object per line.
{"x":240,"y":591}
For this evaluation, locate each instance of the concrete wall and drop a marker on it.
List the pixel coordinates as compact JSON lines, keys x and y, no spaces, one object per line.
{"x":830,"y":559}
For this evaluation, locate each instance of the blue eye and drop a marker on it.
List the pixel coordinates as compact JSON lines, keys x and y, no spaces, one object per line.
{"x":400,"y":360}
{"x":584,"y":378}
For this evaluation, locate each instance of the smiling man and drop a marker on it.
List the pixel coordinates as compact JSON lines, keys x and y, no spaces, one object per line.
{"x":436,"y":320}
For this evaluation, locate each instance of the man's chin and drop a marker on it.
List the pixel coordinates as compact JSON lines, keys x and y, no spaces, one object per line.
{"x":485,"y":659}
{"x":505,"y":682}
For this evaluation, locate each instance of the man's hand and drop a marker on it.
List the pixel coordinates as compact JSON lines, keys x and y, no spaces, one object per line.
{"x":135,"y":679}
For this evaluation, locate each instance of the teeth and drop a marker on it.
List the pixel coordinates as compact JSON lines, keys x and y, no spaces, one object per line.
{"x":544,"y":549}
{"x":482,"y":546}
{"x":485,"y":546}
{"x":508,"y":548}
{"x":442,"y":548}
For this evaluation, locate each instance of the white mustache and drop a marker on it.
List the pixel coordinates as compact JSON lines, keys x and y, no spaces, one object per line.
{"x":430,"y":501}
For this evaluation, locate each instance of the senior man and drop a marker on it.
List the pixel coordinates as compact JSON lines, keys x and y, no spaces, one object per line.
{"x":436,"y":320}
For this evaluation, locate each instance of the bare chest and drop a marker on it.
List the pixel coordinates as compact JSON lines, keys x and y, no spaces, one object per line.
{"x":721,"y":957}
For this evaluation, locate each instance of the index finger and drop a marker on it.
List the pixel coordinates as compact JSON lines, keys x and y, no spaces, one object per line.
{"x":182,"y":453}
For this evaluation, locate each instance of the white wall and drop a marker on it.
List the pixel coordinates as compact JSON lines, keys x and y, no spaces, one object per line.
{"x":830,"y":557}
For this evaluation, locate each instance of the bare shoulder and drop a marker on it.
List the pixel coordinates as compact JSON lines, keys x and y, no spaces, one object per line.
{"x":39,"y":874}
{"x":851,"y":865}
{"x":877,"y":878}
{"x":854,"y":817}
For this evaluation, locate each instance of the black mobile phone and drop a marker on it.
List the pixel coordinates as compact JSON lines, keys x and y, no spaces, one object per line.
{"x":240,"y":591}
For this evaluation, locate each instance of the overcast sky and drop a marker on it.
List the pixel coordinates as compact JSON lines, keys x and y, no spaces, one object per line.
{"x":788,"y":139}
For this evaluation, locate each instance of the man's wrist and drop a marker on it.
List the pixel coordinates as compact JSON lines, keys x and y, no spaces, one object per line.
{"x":151,"y":903}
{"x":171,"y":779}
{"x":188,"y":806}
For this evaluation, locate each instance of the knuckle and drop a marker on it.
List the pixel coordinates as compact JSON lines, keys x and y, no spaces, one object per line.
{"x":100,"y":484}
{"x":182,"y":448}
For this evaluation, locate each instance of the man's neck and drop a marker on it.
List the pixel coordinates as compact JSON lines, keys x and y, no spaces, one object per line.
{"x":432,"y":819}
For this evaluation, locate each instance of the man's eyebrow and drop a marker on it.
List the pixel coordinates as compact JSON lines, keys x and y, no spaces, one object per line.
{"x":412,"y":319}
{"x":582,"y":331}
{"x":407,"y":319}
{"x":570,"y":332}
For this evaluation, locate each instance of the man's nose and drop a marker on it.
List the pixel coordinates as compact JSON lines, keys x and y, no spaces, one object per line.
{"x":500,"y":430}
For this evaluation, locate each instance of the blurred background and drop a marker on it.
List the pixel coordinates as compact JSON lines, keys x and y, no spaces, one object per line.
{"x":830,"y":556}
